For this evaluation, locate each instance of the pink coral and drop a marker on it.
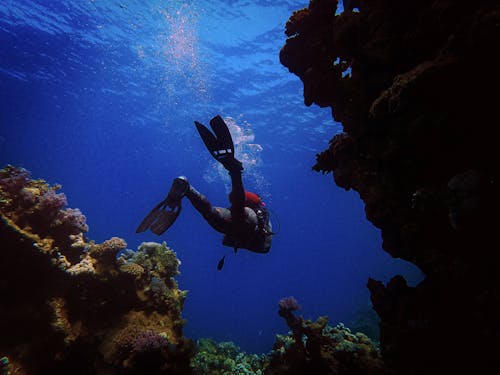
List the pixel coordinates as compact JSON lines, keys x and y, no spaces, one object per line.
{"x":35,"y":204}
{"x":51,"y":202}
{"x":73,"y":221}
{"x":13,"y":179}
{"x":149,"y":341}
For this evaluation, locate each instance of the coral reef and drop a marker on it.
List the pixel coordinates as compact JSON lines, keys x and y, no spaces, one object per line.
{"x":309,"y":348}
{"x":412,"y":84}
{"x":4,"y":366}
{"x":37,"y":208}
{"x":366,"y":320}
{"x":70,"y":305}
{"x":225,"y":358}
{"x":317,"y":348}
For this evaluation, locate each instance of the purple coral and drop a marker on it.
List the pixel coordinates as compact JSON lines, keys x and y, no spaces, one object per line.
{"x":149,"y":341}
{"x":50,"y":202}
{"x":13,"y":179}
{"x":73,"y":220}
{"x":288,"y":304}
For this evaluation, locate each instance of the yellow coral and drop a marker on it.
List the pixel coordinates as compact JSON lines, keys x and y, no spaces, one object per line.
{"x":86,"y":265}
{"x":58,"y":260}
{"x":61,"y":322}
{"x":108,"y":248}
{"x":133,"y":269}
{"x":78,"y":242}
{"x":123,"y":337}
{"x":31,"y":190}
{"x":105,"y":256}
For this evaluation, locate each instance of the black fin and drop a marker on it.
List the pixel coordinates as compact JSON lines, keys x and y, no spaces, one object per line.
{"x":150,"y":218}
{"x":222,"y":133}
{"x":164,"y":220}
{"x":165,"y":213}
{"x":207,"y":137}
{"x":221,"y":144}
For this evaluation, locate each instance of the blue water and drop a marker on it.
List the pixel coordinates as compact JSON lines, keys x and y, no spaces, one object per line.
{"x":100,"y":97}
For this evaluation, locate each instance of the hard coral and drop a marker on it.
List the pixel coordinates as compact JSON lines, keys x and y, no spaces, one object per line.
{"x":50,"y":202}
{"x":158,"y":259}
{"x":13,"y":180}
{"x":315,"y":347}
{"x":225,"y":358}
{"x":160,"y":265}
{"x":72,"y":221}
{"x":61,"y":322}
{"x":133,"y":269}
{"x":105,"y":254}
{"x":149,"y":341}
{"x":36,"y":206}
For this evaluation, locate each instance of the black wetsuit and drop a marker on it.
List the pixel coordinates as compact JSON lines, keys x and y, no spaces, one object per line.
{"x":241,"y":224}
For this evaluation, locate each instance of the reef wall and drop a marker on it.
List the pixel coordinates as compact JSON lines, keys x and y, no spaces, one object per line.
{"x":414,"y":85}
{"x":69,"y":305}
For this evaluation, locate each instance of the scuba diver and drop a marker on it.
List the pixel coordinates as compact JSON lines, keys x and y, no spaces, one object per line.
{"x":245,"y":224}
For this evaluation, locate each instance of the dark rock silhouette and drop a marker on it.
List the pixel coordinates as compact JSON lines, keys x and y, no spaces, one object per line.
{"x":414,"y":84}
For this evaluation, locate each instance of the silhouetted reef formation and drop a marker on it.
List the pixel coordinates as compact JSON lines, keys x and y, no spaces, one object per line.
{"x":415,"y":85}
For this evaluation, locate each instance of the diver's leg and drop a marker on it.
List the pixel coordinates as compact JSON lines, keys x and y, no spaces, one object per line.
{"x":237,"y":195}
{"x":217,"y":217}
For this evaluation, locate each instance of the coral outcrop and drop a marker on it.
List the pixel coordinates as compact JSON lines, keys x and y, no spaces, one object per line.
{"x":414,"y":83}
{"x":317,"y":348}
{"x":309,"y":348}
{"x":225,"y":358}
{"x":70,"y":305}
